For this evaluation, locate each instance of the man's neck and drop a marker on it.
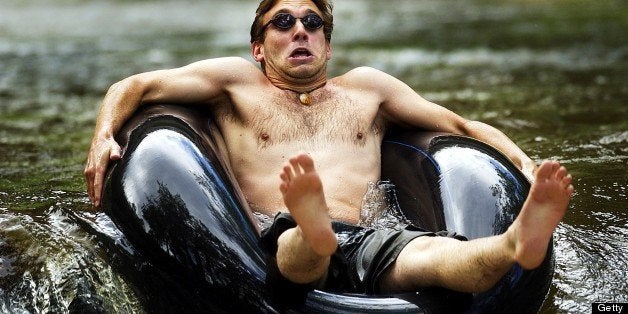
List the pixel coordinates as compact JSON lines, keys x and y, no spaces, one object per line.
{"x":303,"y":86}
{"x":300,"y":88}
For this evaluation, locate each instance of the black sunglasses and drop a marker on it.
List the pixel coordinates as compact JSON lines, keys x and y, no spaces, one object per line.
{"x":285,"y":21}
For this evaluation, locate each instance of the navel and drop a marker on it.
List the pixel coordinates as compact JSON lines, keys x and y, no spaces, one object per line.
{"x":359,"y":136}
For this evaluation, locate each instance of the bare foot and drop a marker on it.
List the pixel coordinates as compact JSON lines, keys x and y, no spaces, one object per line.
{"x":302,"y":191}
{"x":542,"y":211}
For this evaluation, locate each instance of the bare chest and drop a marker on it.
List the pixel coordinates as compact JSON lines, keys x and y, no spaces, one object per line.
{"x":282,"y":119}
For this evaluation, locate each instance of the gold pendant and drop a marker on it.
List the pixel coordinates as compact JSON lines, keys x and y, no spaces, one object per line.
{"x":305,"y":99}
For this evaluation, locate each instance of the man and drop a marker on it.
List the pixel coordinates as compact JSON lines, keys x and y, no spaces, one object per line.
{"x":290,"y":116}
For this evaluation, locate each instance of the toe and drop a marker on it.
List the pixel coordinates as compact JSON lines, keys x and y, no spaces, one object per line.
{"x":561,"y":173}
{"x":306,"y":162}
{"x":566,"y":180}
{"x":287,"y":172}
{"x":296,"y":168}
{"x":545,"y":170}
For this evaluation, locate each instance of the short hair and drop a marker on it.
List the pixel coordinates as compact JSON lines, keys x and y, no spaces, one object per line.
{"x":324,"y":6}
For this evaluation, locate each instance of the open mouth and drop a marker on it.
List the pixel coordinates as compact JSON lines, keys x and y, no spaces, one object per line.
{"x":300,"y":53}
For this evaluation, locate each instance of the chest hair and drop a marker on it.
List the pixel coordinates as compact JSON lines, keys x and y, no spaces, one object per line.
{"x":329,"y":119}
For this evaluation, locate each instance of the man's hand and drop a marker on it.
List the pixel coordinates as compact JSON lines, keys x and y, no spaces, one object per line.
{"x":101,"y":152}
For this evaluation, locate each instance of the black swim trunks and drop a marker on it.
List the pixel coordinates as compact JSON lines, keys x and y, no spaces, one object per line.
{"x":363,"y":254}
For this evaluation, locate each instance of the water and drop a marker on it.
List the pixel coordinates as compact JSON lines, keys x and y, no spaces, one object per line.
{"x":550,"y":74}
{"x":380,"y":207}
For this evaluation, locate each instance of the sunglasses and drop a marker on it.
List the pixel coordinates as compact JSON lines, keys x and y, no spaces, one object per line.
{"x":285,"y":21}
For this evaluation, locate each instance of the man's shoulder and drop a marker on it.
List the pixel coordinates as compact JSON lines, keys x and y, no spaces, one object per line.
{"x":239,"y":61}
{"x":363,"y":71}
{"x":362,"y":77}
{"x":228,"y":65}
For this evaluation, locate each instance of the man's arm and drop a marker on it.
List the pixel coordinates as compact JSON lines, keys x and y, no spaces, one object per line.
{"x":403,"y":106}
{"x":199,"y":82}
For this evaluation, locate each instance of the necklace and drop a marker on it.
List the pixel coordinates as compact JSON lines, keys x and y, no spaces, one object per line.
{"x":305,"y":98}
{"x":304,"y":93}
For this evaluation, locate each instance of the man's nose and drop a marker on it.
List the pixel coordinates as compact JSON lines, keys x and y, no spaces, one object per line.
{"x":300,"y":32}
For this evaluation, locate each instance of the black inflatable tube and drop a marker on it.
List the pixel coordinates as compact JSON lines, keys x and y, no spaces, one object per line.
{"x":190,"y":243}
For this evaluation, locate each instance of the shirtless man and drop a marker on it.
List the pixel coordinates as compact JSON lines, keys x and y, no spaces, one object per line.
{"x":289,"y":116}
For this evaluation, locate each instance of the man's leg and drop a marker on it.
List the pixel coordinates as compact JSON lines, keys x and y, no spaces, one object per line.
{"x":477,"y":265}
{"x":304,"y":252}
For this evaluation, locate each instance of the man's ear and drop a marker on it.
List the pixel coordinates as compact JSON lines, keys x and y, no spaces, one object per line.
{"x":257,"y":51}
{"x":328,"y":51}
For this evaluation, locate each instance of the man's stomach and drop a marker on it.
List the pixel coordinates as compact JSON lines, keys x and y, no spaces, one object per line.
{"x":343,"y":194}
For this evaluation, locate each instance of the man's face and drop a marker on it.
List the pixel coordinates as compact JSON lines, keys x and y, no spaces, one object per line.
{"x":296,"y":53}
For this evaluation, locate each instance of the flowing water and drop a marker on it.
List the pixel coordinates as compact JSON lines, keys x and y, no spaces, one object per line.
{"x":380,"y":207}
{"x":550,"y":74}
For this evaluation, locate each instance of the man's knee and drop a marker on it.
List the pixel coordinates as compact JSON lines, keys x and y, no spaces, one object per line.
{"x":413,"y":267}
{"x":425,"y":246}
{"x":296,"y":261}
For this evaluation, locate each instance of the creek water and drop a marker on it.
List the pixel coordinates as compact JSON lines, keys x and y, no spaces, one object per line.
{"x":550,"y":74}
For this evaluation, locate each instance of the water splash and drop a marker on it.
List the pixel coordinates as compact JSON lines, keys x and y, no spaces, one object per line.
{"x":380,"y":208}
{"x":49,"y":265}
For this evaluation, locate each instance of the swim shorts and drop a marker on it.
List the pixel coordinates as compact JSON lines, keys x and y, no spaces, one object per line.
{"x":363,"y":254}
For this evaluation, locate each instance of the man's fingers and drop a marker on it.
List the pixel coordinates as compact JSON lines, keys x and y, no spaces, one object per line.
{"x":115,"y":152}
{"x":98,"y":182}
{"x":90,"y":185}
{"x":100,"y":155}
{"x":89,"y":180}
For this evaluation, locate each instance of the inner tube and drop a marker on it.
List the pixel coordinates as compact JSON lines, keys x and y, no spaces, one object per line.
{"x":188,"y":241}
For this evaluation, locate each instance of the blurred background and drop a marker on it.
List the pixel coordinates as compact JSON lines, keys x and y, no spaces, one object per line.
{"x":551,"y":74}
